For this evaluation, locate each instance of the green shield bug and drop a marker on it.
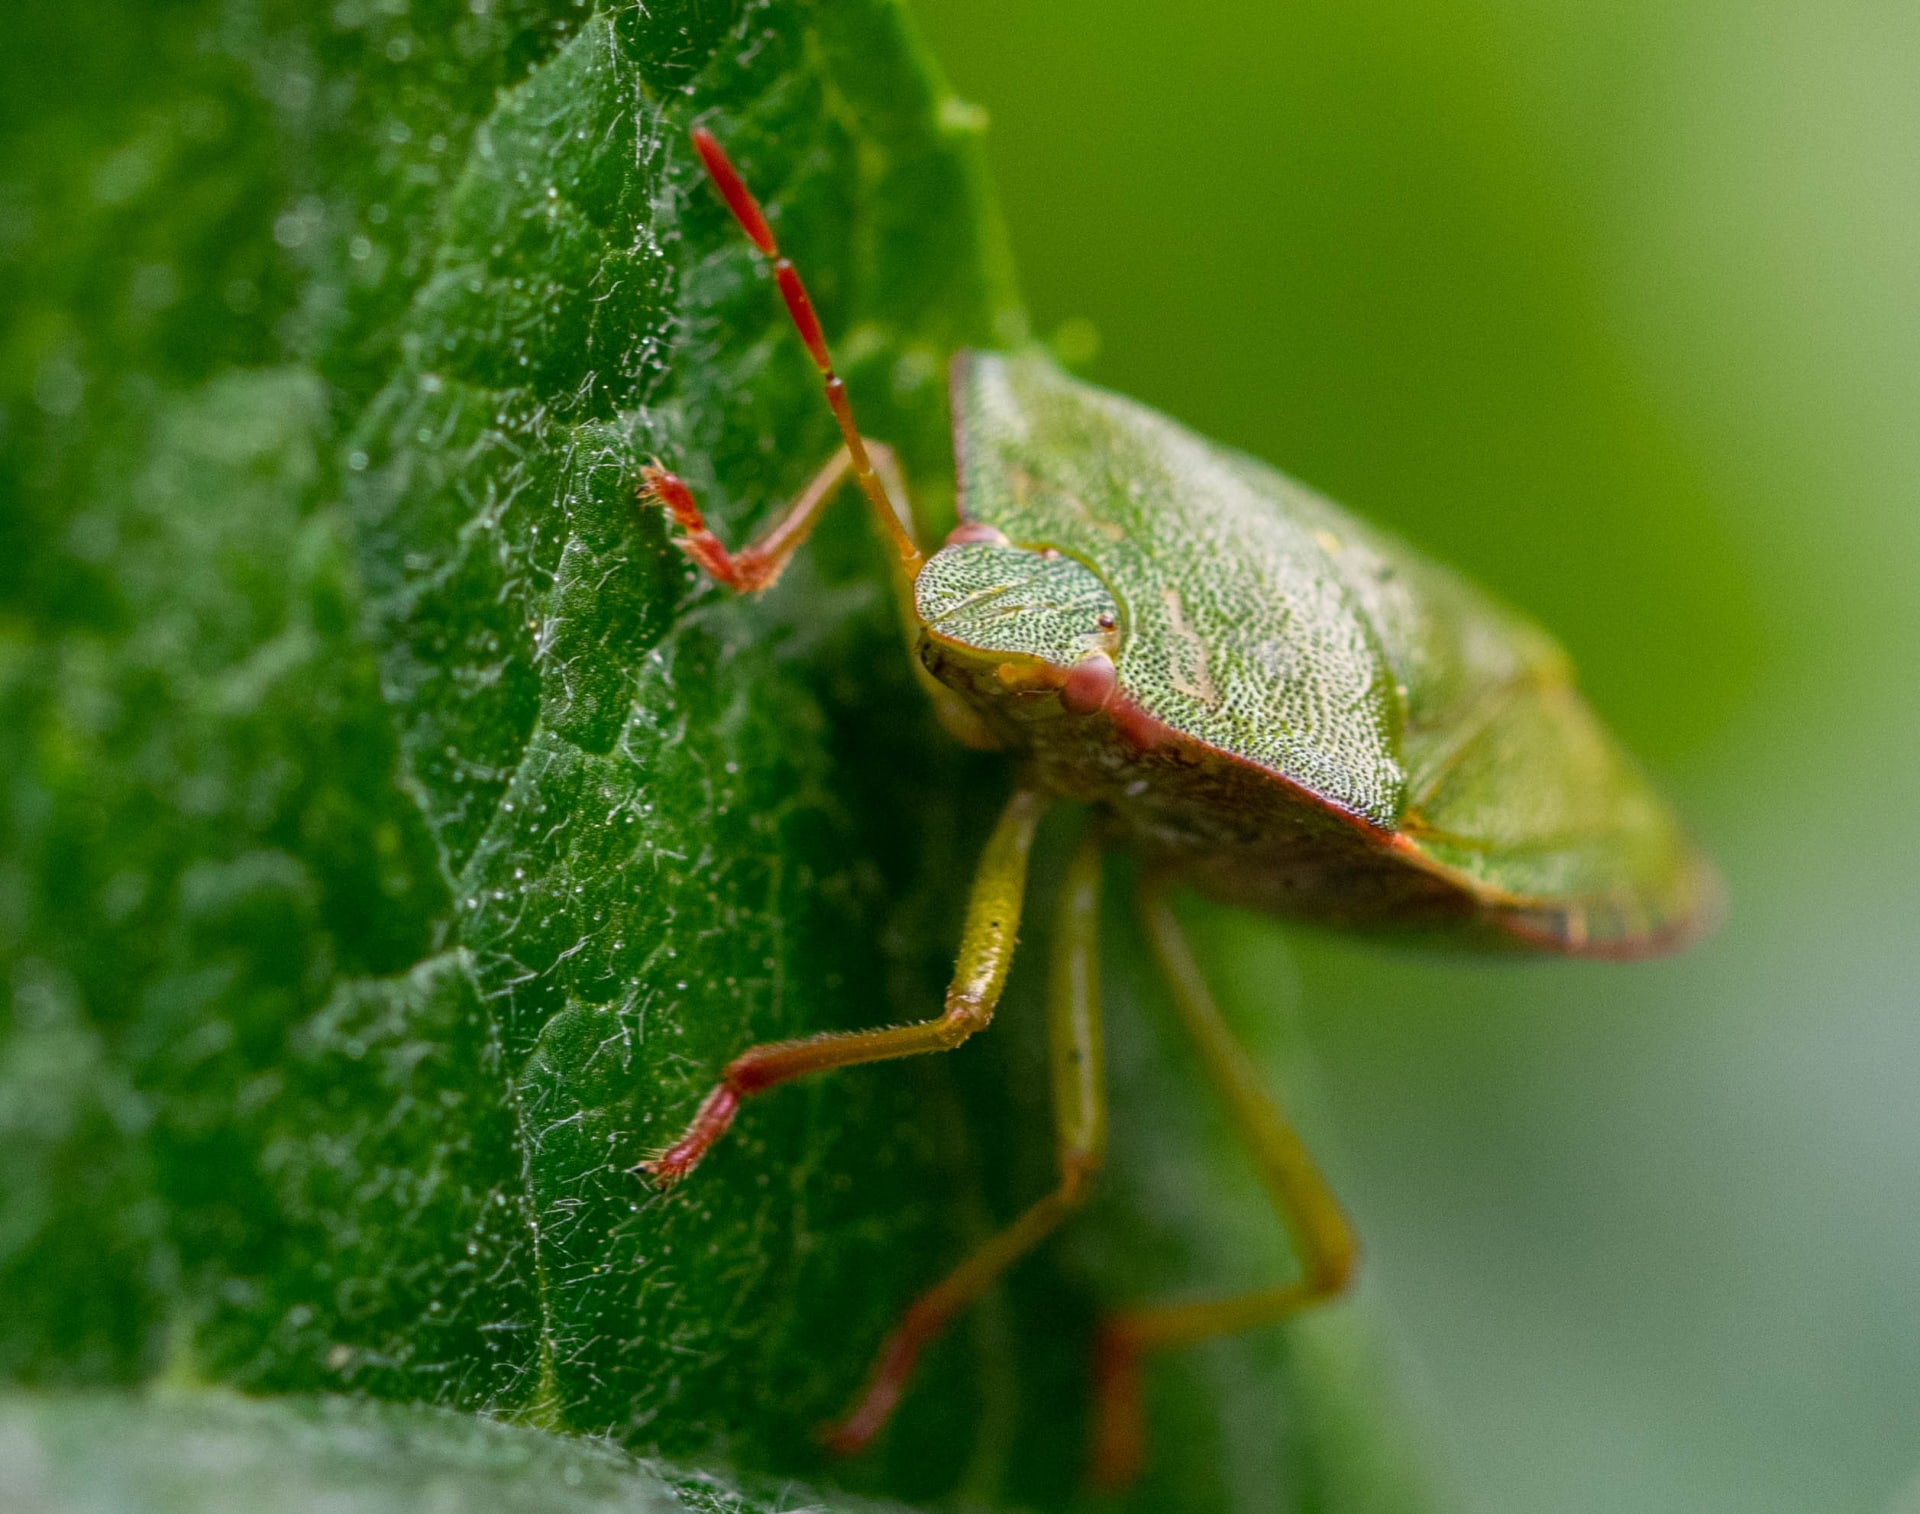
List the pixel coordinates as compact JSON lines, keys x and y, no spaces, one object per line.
{"x":1267,"y":699}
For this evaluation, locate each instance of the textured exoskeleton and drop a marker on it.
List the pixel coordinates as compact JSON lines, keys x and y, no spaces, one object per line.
{"x":1269,"y":700}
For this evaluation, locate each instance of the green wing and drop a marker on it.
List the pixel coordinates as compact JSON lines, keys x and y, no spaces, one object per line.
{"x":1266,"y":621}
{"x":1515,"y":789}
{"x":1538,"y":809}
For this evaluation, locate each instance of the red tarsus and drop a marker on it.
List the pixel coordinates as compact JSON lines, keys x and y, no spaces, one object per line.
{"x":892,"y":1371}
{"x":745,"y":571}
{"x":1119,"y":1432}
{"x":710,"y":1122}
{"x":750,"y":1072}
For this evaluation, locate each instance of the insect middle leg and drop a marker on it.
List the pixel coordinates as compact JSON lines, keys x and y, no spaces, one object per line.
{"x":1322,"y":1237}
{"x":986,"y":951}
{"x":1080,"y":1134}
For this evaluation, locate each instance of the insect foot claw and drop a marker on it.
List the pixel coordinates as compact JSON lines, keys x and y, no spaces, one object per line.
{"x":651,"y":475}
{"x":661,"y":1170}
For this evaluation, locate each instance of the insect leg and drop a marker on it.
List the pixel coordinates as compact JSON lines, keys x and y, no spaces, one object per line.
{"x":746,"y":210}
{"x":755,"y":567}
{"x":1080,"y":1124}
{"x":986,"y":951}
{"x":1321,"y":1235}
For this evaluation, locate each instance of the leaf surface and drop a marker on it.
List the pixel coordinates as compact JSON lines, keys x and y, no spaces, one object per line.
{"x":397,"y":834}
{"x":186,"y":1453}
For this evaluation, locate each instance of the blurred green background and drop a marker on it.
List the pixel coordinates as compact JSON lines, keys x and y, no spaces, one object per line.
{"x":1618,"y":309}
{"x":1613,"y":307}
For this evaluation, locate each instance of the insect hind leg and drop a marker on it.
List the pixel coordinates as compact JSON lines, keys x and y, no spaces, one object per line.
{"x":1322,"y":1237}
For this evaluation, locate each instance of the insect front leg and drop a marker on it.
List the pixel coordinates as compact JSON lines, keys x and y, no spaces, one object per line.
{"x":986,"y":952}
{"x":867,"y":469}
{"x":1322,"y":1237}
{"x":1080,"y":1124}
{"x":757,"y":566}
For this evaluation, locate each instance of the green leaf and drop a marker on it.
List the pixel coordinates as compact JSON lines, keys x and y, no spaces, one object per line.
{"x":397,"y":834}
{"x":103,"y":1453}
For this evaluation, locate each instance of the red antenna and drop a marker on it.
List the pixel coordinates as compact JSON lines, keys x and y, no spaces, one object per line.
{"x":746,"y":210}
